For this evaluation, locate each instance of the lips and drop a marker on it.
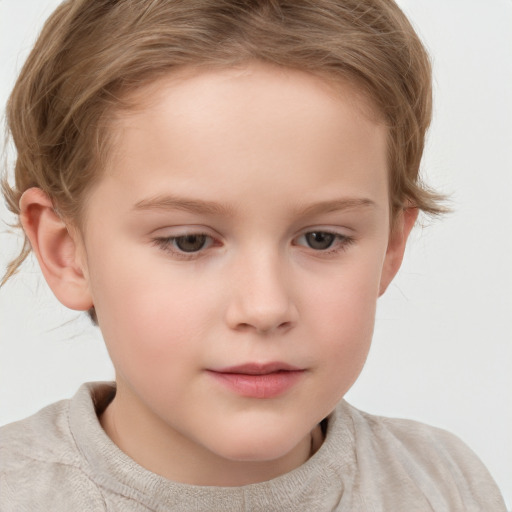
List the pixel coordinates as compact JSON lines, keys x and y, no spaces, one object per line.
{"x":253,"y":380}
{"x":259,"y":369}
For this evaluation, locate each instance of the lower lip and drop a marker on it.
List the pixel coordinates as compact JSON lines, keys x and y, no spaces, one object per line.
{"x":269,"y":385}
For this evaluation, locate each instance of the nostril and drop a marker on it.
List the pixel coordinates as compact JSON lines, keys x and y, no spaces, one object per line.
{"x":284,"y":325}
{"x":244,"y":327}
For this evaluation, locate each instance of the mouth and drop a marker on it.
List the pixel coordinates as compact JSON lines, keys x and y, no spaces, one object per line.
{"x":259,"y":369}
{"x":254,"y":380}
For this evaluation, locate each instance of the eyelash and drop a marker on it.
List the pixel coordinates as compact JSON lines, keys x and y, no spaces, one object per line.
{"x":339,"y":244}
{"x":167,"y":245}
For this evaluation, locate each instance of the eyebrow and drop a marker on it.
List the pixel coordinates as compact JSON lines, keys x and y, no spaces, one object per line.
{"x":183,"y":204}
{"x":203,"y":207}
{"x":336,"y":205}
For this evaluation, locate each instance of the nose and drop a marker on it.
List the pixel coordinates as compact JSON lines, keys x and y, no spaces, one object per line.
{"x":261,"y":296}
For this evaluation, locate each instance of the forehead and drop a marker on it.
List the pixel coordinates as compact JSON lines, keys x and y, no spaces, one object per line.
{"x":251,"y":131}
{"x":262,"y":83}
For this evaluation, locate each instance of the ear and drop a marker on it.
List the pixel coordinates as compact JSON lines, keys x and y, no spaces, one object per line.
{"x":56,"y":249}
{"x":396,"y":246}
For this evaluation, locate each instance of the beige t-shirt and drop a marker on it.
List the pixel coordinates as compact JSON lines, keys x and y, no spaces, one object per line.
{"x":60,"y":460}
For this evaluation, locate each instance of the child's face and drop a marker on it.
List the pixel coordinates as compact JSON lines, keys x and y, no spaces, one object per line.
{"x":244,"y":221}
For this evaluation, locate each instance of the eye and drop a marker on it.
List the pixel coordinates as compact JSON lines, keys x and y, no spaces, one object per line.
{"x":186,"y":245}
{"x":319,"y":240}
{"x":190,"y":243}
{"x":325,"y":242}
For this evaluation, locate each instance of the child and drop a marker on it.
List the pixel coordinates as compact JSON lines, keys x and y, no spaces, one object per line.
{"x":227,"y":187}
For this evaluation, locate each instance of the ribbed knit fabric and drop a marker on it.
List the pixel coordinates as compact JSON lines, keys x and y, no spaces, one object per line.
{"x":61,"y":460}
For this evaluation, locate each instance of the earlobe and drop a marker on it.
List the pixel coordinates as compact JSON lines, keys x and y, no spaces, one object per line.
{"x":396,"y":246}
{"x":56,"y":250}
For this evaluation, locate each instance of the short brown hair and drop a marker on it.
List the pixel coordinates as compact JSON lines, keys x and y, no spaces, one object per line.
{"x":91,"y":53}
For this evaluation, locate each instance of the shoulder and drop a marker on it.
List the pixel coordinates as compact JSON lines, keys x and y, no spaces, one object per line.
{"x":425,"y":443}
{"x":417,"y":438}
{"x":43,"y":436}
{"x":38,"y":456}
{"x":423,"y":459}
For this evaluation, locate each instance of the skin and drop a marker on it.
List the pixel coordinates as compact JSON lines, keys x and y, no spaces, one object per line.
{"x":254,"y":158}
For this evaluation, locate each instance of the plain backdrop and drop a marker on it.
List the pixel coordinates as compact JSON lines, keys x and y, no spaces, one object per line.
{"x":442,"y":349}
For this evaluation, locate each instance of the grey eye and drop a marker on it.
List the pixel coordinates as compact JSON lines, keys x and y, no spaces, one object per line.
{"x":319,"y":240}
{"x":190,"y":243}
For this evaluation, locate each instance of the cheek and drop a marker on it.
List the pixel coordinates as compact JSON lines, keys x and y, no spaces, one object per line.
{"x":344,"y":299}
{"x":341,"y":316}
{"x":341,"y":348}
{"x":148,"y":314}
{"x":344,"y":324}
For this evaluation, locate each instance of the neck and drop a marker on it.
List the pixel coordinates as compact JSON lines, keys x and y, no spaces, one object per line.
{"x":162,"y":450}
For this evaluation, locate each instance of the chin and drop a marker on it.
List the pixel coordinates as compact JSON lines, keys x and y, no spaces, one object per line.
{"x":261,"y":448}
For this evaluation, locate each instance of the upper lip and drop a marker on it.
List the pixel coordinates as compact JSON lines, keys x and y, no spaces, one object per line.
{"x":258,"y":368}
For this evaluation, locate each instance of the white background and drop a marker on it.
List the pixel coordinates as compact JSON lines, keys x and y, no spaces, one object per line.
{"x":442,"y":350}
